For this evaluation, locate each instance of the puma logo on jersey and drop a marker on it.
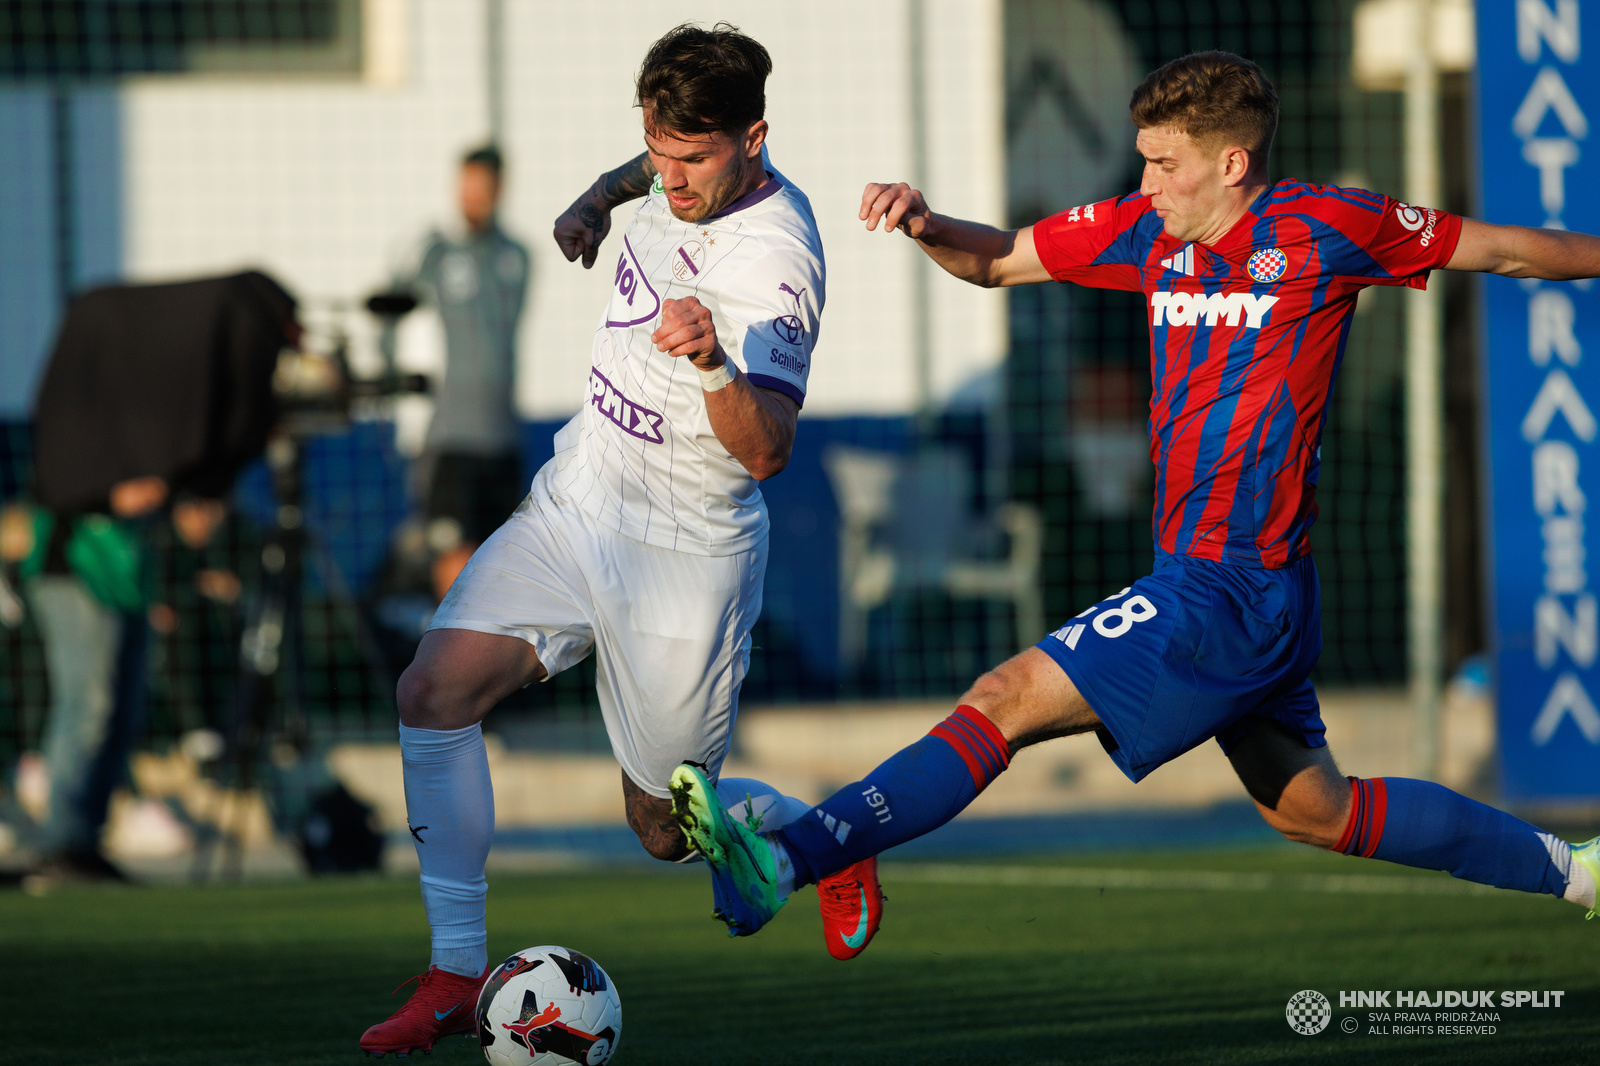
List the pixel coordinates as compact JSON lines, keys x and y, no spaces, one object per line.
{"x":1187,"y":308}
{"x":790,"y":327}
{"x":631,"y":418}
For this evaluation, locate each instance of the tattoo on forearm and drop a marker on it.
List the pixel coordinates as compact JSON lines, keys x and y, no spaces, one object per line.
{"x":629,"y":181}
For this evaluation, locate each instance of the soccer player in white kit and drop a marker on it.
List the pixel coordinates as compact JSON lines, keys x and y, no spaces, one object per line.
{"x":644,"y":539}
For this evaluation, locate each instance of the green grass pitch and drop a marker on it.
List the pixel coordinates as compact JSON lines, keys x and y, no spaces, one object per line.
{"x":960,"y":974}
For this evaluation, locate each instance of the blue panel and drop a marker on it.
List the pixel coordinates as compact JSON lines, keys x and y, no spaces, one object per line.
{"x":97,"y":193}
{"x":1539,"y":93}
{"x":28,"y":298}
{"x":355,"y":495}
{"x":802,"y":591}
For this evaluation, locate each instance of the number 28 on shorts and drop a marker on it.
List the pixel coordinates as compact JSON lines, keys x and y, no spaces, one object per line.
{"x":1111,"y":622}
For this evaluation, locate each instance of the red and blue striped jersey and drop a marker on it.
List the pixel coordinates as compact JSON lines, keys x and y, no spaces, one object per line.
{"x":1246,"y":336}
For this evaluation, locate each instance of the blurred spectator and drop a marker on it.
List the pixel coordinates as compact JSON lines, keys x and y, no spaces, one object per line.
{"x":204,"y":562}
{"x":87,"y":580}
{"x":478,"y":280}
{"x":152,"y":391}
{"x":84,"y":578}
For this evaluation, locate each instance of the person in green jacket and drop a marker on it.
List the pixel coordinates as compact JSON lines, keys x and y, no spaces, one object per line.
{"x":84,"y":579}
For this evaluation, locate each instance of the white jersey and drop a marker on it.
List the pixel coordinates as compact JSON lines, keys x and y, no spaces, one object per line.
{"x":641,"y":457}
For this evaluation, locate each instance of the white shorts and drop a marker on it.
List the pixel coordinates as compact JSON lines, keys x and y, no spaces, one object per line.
{"x":670,"y":631}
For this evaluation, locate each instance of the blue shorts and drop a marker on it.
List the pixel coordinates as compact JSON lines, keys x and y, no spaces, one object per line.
{"x":1197,"y":650}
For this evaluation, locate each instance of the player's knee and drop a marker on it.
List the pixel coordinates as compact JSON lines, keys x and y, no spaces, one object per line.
{"x":413,"y":695}
{"x":424,"y":702}
{"x":1024,"y":698}
{"x":994,"y":695}
{"x":990,"y":690}
{"x":1000,"y":693}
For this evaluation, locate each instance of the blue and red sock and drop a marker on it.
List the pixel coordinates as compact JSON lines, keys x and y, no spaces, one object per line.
{"x":1418,"y":823}
{"x":915,"y":792}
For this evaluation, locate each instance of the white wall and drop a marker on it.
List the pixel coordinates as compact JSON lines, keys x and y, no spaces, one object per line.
{"x":325,"y":182}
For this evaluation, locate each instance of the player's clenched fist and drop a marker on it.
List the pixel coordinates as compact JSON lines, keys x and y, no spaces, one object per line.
{"x":686,"y":329}
{"x":898,"y":205}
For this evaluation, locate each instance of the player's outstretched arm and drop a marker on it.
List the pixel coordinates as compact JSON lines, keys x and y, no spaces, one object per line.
{"x":1525,"y":252}
{"x":582,"y":227}
{"x":971,"y":251}
{"x":756,"y":425}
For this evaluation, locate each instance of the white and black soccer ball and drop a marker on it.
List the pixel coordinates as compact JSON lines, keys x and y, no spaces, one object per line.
{"x":549,"y":1006}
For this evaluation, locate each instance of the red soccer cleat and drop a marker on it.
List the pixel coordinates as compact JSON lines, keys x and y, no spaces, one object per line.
{"x":852,"y":907}
{"x":444,"y":1004}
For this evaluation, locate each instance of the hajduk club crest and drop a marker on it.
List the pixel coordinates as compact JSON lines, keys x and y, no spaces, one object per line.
{"x":1267,"y":264}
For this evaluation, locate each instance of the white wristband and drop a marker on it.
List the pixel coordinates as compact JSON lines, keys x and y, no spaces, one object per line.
{"x":720,"y":378}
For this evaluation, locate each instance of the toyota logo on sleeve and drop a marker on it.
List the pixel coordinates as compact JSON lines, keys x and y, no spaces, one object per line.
{"x":790,"y":329}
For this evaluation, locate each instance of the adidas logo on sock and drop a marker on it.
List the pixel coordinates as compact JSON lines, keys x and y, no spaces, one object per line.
{"x":1182,"y":262}
{"x":840,"y":829}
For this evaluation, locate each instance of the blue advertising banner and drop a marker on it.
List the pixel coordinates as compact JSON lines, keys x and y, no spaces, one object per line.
{"x":1539,"y":91}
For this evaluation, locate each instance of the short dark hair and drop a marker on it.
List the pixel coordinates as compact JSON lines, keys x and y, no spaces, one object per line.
{"x":488,"y":157}
{"x":695,"y":80}
{"x":1213,"y":97}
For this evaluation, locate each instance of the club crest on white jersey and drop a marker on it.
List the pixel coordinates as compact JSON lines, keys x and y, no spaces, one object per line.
{"x":691,"y":257}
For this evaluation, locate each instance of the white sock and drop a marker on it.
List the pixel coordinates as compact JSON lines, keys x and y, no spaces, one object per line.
{"x":450,"y":810}
{"x":785,"y":863}
{"x":759,"y":805}
{"x":765,"y":810}
{"x":1580,"y":886}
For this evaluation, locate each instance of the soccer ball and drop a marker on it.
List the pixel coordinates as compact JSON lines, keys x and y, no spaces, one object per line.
{"x":549,"y":1006}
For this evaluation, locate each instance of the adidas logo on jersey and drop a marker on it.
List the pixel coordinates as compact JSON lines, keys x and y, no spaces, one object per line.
{"x":1182,"y":262}
{"x":1187,"y":308}
{"x":631,"y":418}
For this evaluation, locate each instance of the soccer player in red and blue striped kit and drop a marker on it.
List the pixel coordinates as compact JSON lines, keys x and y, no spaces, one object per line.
{"x":1250,"y":286}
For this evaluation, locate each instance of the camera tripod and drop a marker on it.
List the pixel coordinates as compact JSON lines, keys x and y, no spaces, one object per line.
{"x":272,"y":658}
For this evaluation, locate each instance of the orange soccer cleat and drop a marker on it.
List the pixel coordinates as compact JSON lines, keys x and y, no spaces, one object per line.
{"x":852,"y":908}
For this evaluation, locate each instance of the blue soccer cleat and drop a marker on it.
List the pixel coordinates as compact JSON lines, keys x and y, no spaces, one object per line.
{"x":745,"y":882}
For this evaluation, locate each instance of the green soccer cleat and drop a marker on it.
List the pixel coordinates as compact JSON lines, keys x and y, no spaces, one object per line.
{"x":1588,"y":853}
{"x":744,"y":872}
